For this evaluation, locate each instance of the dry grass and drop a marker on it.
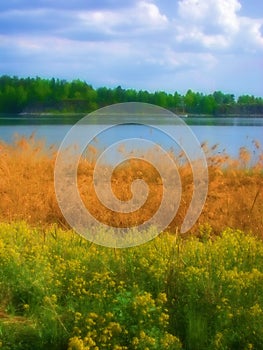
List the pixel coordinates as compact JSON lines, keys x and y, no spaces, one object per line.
{"x":235,"y":196}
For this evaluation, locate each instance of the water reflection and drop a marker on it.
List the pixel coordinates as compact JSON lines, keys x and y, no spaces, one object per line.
{"x":71,"y":119}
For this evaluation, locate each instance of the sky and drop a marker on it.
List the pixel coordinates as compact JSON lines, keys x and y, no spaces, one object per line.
{"x":169,"y":45}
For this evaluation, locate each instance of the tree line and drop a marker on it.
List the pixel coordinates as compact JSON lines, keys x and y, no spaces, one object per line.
{"x":34,"y":95}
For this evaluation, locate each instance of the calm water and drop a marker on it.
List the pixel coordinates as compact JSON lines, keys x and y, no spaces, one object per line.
{"x":229,"y":133}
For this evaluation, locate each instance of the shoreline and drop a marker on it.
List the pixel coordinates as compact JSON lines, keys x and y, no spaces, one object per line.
{"x":26,"y":115}
{"x":225,"y":115}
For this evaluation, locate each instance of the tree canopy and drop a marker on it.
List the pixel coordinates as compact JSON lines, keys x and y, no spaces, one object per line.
{"x":34,"y":95}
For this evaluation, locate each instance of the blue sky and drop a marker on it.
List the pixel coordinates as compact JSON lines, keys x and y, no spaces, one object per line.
{"x":171,"y":45}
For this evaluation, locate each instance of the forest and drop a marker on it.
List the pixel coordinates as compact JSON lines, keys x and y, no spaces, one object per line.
{"x":39,"y":95}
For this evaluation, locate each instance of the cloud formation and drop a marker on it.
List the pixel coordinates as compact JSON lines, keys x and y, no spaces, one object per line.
{"x":144,"y":44}
{"x":216,"y":25}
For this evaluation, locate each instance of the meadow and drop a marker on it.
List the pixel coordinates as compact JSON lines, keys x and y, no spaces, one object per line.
{"x":200,"y":290}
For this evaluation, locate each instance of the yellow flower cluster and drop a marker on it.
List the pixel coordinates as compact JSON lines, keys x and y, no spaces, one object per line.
{"x":101,"y":332}
{"x":171,"y":293}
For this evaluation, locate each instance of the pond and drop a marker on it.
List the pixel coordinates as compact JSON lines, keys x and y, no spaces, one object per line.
{"x":229,"y":133}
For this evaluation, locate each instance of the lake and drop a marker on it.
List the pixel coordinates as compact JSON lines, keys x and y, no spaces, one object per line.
{"x":230,"y":133}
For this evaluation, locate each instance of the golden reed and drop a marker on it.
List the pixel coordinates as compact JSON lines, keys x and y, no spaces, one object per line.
{"x":235,"y":195}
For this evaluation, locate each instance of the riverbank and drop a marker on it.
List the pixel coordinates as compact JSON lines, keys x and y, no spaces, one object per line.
{"x":236,"y":115}
{"x":186,"y":115}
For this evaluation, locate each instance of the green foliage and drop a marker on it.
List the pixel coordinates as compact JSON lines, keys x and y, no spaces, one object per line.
{"x":54,"y":95}
{"x":59,"y":291}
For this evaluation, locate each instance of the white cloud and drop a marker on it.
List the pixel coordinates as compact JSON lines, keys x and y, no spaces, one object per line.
{"x":140,"y":44}
{"x":219,"y":15}
{"x":217,"y":25}
{"x":250,"y":34}
{"x":149,"y":12}
{"x":142,"y":16}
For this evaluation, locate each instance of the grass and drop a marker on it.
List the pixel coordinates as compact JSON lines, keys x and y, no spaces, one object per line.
{"x":201,"y":291}
{"x":59,"y":291}
{"x":235,"y":194}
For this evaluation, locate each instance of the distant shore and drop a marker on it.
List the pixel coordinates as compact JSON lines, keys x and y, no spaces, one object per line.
{"x":76,"y":115}
{"x":225,"y":115}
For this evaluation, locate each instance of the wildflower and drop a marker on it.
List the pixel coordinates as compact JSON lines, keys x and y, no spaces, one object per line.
{"x":75,"y":343}
{"x":135,"y":341}
{"x":163,"y":319}
{"x":115,"y":327}
{"x":89,"y":342}
{"x":142,"y":334}
{"x":26,"y":307}
{"x":162,"y":298}
{"x":76,"y":330}
{"x":53,"y":298}
{"x":170,"y":341}
{"x":78,"y":316}
{"x":218,"y":340}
